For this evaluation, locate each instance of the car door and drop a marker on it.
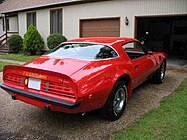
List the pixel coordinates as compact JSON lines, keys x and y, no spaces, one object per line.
{"x":142,"y":62}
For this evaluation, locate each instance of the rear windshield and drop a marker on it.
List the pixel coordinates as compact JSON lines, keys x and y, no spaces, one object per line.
{"x":83,"y":51}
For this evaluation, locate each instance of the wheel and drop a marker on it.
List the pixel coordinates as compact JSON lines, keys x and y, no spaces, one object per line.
{"x":116,"y":102}
{"x":159,"y":76}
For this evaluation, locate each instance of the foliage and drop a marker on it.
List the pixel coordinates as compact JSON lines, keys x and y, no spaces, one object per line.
{"x":15,"y":43}
{"x":18,"y":57}
{"x":2,"y":64}
{"x":169,"y":121}
{"x":54,"y":40}
{"x":32,"y":41}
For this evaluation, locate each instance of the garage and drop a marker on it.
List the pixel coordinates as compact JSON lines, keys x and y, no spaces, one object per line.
{"x":164,"y":33}
{"x":109,"y":27}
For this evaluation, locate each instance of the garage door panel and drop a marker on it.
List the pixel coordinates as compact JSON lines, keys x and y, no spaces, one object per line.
{"x":101,"y":27}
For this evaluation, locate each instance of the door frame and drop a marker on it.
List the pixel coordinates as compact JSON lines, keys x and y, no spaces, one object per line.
{"x":152,"y":16}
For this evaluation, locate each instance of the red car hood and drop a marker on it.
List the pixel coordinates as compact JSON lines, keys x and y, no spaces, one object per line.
{"x":65,"y":66}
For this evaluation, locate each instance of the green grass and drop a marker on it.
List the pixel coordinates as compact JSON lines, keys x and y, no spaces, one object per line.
{"x":168,"y":122}
{"x":2,"y":64}
{"x":18,"y":57}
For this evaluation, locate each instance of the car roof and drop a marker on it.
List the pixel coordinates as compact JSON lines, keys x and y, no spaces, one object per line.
{"x":103,"y":40}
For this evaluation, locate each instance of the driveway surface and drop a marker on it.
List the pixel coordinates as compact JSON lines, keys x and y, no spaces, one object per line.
{"x":22,"y":121}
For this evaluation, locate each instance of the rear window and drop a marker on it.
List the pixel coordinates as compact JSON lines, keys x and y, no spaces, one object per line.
{"x":83,"y":51}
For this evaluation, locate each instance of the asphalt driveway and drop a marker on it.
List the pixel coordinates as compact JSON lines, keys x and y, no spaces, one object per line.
{"x":22,"y":121}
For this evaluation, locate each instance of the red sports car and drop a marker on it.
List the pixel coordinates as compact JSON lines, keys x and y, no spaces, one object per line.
{"x":85,"y":74}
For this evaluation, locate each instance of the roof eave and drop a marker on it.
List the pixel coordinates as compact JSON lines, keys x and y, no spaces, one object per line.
{"x":65,"y":3}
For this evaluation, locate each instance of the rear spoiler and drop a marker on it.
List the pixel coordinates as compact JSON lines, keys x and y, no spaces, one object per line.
{"x":35,"y":73}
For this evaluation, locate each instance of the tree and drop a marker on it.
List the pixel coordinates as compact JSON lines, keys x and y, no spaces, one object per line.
{"x":32,"y":41}
{"x":15,"y":43}
{"x":54,"y":40}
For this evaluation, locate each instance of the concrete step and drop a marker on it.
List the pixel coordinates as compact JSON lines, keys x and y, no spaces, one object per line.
{"x":4,"y":49}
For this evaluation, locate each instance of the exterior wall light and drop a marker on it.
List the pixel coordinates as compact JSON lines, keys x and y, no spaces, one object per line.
{"x":126,"y":21}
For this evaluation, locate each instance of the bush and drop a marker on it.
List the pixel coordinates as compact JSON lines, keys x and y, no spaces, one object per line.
{"x":54,"y":40}
{"x":32,"y":41}
{"x":15,"y":43}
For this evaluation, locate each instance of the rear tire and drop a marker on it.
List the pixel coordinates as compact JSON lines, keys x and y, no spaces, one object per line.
{"x":159,"y":76}
{"x":116,"y":102}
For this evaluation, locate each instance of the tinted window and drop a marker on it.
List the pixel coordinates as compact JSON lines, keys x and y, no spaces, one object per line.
{"x":134,"y":50}
{"x":133,"y":46}
{"x":83,"y":51}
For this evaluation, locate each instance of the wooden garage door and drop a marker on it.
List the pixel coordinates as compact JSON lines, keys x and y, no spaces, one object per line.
{"x":100,"y":27}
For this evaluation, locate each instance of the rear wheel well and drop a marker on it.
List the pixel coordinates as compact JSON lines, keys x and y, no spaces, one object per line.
{"x":125,"y":78}
{"x":109,"y":110}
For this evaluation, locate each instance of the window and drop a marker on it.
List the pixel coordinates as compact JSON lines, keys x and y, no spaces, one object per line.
{"x":134,"y":50}
{"x":56,"y":21}
{"x":83,"y":51}
{"x":31,"y":19}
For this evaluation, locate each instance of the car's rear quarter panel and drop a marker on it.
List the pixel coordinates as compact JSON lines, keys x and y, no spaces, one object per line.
{"x":94,"y":83}
{"x":98,"y":79}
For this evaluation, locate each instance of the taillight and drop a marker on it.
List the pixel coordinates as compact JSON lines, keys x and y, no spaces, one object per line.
{"x":15,"y":79}
{"x":63,"y":89}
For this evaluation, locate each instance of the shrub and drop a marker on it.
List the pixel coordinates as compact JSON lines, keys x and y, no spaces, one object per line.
{"x":54,"y":40}
{"x":15,"y":43}
{"x":32,"y":41}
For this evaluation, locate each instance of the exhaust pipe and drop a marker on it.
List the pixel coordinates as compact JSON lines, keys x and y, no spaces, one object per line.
{"x":47,"y":108}
{"x":13,"y":96}
{"x":83,"y":114}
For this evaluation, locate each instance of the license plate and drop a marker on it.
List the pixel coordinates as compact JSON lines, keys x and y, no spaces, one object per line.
{"x":34,"y":83}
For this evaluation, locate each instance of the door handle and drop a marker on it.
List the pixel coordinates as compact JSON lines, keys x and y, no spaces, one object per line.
{"x":136,"y":66}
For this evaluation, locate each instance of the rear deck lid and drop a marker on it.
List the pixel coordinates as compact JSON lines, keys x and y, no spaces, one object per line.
{"x":67,"y":66}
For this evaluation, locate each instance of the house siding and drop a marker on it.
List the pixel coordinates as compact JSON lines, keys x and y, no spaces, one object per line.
{"x":122,"y":9}
{"x":72,"y":15}
{"x":22,"y":23}
{"x":42,"y":23}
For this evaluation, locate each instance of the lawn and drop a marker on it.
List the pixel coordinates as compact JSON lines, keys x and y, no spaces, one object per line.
{"x":168,"y":122}
{"x":18,"y":57}
{"x":2,"y":64}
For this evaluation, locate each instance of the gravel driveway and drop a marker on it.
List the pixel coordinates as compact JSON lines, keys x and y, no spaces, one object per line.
{"x":22,"y":121}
